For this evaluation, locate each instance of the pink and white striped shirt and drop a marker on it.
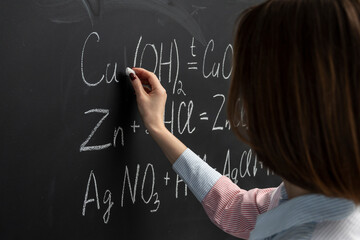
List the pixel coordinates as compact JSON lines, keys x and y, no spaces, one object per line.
{"x":235,"y":210}
{"x":266,"y":213}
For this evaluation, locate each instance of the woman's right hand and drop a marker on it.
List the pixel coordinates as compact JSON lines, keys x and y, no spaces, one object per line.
{"x":151,"y":103}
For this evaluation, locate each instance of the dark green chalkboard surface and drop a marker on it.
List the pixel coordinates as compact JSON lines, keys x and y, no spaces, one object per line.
{"x":75,"y":159}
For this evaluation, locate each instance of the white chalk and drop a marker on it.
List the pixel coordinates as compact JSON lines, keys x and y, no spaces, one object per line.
{"x":129,"y":71}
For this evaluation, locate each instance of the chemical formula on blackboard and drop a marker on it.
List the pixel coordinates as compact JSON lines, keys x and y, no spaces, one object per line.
{"x":180,"y":118}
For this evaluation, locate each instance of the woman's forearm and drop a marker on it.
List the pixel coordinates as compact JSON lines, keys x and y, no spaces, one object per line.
{"x":171,"y":146}
{"x":151,"y":105}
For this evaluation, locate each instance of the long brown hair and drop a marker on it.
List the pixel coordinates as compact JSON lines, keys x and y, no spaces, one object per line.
{"x":296,"y":89}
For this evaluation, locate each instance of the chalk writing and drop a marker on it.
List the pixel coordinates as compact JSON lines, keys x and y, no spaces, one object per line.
{"x":153,"y":196}
{"x":88,"y":200}
{"x":106,"y":200}
{"x":108,"y":65}
{"x":215,"y":127}
{"x":83,"y":146}
{"x":215,"y":68}
{"x":183,"y":116}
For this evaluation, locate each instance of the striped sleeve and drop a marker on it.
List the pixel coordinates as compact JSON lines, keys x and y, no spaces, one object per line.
{"x":233,"y":209}
{"x":196,"y":173}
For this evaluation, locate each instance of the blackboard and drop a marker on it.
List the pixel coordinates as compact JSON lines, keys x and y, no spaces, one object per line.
{"x":76,"y":161}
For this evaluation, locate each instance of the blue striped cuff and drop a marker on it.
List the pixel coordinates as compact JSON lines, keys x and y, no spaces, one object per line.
{"x":196,"y":173}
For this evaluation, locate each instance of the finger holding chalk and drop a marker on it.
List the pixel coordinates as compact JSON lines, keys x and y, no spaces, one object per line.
{"x":150,"y":97}
{"x":131,"y":73}
{"x":149,"y":77}
{"x":135,"y":81}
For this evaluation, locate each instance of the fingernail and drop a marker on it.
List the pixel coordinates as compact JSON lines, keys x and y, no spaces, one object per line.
{"x":132,"y":76}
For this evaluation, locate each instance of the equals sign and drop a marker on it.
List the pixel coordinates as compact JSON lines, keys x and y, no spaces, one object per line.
{"x":192,"y":65}
{"x":203,"y":116}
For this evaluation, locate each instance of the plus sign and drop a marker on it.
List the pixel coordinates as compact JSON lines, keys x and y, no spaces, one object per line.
{"x":166,"y":178}
{"x":134,"y":126}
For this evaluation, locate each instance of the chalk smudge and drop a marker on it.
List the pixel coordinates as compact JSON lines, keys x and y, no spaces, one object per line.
{"x":71,"y":11}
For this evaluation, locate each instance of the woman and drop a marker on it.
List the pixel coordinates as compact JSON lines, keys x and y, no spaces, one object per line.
{"x":297,"y":78}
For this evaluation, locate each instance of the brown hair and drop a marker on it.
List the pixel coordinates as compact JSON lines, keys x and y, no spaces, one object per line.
{"x":297,"y":77}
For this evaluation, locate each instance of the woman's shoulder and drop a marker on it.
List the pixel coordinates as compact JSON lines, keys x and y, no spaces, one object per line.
{"x":347,"y":228}
{"x":311,"y":216}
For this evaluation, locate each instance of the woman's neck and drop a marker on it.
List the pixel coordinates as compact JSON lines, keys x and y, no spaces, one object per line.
{"x":293,"y":190}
